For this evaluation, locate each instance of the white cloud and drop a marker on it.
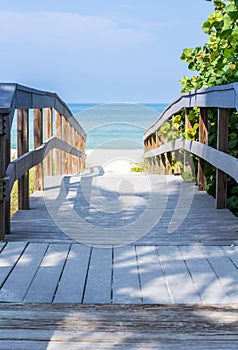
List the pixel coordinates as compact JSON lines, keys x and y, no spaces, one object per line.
{"x":68,"y":31}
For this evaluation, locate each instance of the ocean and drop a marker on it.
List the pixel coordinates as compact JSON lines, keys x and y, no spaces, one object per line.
{"x":109,"y":126}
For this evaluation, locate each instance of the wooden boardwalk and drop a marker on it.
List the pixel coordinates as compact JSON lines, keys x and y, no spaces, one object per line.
{"x":105,"y":209}
{"x":120,"y":261}
{"x":121,"y":238}
{"x":110,"y":327}
{"x":75,"y":273}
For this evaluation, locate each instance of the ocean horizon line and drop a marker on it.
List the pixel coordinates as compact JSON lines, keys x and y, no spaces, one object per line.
{"x":113,"y":102}
{"x":114,"y":125}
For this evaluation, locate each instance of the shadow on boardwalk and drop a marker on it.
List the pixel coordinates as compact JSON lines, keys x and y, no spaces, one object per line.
{"x":69,"y":281}
{"x":132,"y":327}
{"x":103,"y":209}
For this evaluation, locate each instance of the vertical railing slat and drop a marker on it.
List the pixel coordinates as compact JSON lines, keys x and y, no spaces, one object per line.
{"x":5,"y":141}
{"x":48,"y":133}
{"x":222,"y":145}
{"x":22,"y":148}
{"x":187,"y":156}
{"x":58,"y":133}
{"x":203,"y":138}
{"x":38,"y":140}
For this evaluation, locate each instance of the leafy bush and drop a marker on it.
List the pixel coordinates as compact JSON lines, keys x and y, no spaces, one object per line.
{"x":215,"y":63}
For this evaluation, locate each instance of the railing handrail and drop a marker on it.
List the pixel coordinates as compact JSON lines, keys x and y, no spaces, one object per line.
{"x":225,"y":96}
{"x":14,"y":96}
{"x":18,"y":167}
{"x":159,"y":150}
{"x":218,"y":159}
{"x":58,"y":131}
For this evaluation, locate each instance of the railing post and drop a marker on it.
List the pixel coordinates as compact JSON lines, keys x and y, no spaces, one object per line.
{"x":203,"y":138}
{"x":157,"y":140}
{"x":5,"y":160}
{"x":65,"y":138}
{"x":22,"y":148}
{"x":70,"y":157}
{"x":169,"y":163}
{"x":79,"y":147}
{"x":222,"y":145}
{"x":48,"y":133}
{"x":74,"y":158}
{"x":38,"y":140}
{"x":163,"y":163}
{"x":84,"y":151}
{"x":187,"y":160}
{"x":154,"y":141}
{"x":58,"y":133}
{"x":145,"y":146}
{"x":150,"y":142}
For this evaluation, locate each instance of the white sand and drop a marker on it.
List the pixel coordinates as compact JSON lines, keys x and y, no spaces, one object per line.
{"x":114,"y":160}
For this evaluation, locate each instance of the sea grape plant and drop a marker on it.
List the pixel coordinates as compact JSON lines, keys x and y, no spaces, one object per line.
{"x":215,"y":62}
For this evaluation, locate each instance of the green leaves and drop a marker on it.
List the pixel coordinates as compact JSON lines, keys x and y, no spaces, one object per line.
{"x":216,"y":61}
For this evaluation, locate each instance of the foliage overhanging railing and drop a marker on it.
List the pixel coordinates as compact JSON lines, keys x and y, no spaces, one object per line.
{"x":157,"y":149}
{"x":58,"y":138}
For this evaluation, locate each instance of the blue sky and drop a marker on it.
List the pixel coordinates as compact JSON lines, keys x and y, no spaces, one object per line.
{"x":100,"y":50}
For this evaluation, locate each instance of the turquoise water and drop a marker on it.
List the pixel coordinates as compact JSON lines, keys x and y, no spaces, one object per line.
{"x":110,"y":126}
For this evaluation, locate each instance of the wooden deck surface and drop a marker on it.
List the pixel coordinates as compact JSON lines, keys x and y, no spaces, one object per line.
{"x":75,"y":273}
{"x":103,"y":209}
{"x":48,"y":327}
{"x":140,"y":263}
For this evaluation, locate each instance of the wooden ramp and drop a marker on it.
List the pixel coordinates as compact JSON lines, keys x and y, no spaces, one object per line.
{"x":121,"y":238}
{"x":105,"y":209}
{"x":120,"y":261}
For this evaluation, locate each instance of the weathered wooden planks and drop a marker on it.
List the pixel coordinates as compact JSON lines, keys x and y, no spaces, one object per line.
{"x":44,"y":284}
{"x":74,"y":273}
{"x":126,"y":282}
{"x":18,"y":282}
{"x":118,"y":326}
{"x":8,"y":258}
{"x":99,"y":277}
{"x":72,"y":282}
{"x":153,"y":283}
{"x":172,"y":213}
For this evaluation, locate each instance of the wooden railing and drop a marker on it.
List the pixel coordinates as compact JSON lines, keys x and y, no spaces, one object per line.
{"x":58,"y":138}
{"x":223,"y":98}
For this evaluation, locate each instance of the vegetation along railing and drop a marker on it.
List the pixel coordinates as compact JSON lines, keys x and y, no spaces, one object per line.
{"x":59,"y":140}
{"x":161,"y":151}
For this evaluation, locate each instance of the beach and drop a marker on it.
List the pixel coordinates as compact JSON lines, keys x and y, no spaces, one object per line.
{"x":114,"y":160}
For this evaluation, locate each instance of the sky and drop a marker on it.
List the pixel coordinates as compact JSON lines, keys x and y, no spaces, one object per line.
{"x":100,"y":50}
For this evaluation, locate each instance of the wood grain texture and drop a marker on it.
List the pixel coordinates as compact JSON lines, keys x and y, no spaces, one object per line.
{"x":217,"y":96}
{"x":22,"y":97}
{"x":118,"y":326}
{"x":203,"y":138}
{"x":166,"y":245}
{"x":222,"y":145}
{"x":22,"y":148}
{"x":218,"y":159}
{"x":175,"y":206}
{"x":48,"y":133}
{"x":63,"y":273}
{"x":38,"y":140}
